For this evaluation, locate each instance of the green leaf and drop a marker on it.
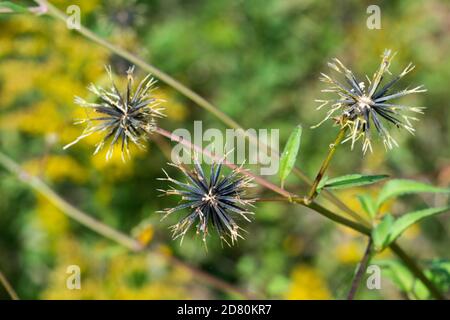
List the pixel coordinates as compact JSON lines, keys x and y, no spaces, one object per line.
{"x":408,"y":219}
{"x":290,"y":152}
{"x":398,"y":187}
{"x":397,"y":273}
{"x":352,"y":180}
{"x":380,"y":233}
{"x":404,"y":279}
{"x":368,"y":204}
{"x":438,"y":271}
{"x":14,"y":7}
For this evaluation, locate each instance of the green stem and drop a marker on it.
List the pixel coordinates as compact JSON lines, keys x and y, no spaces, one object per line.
{"x":400,"y":253}
{"x":9,"y":289}
{"x":417,"y":271}
{"x":263,"y":182}
{"x":360,"y":272}
{"x":409,"y":262}
{"x":336,"y":218}
{"x":287,"y":196}
{"x":39,"y":186}
{"x":313,"y":192}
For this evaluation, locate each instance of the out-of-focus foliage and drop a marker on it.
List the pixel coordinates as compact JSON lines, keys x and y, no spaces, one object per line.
{"x":259,"y":63}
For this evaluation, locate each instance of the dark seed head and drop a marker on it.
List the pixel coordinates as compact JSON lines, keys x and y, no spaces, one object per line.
{"x":121,"y":117}
{"x":364,"y":106}
{"x":215,"y":200}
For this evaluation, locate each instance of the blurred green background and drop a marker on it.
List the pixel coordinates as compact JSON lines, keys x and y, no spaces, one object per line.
{"x":259,"y":61}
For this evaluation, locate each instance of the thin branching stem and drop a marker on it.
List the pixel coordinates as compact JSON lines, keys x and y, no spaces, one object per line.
{"x":261,"y":181}
{"x":8,"y":287}
{"x":74,"y":213}
{"x":360,"y":271}
{"x":323,"y":168}
{"x":108,"y":232}
{"x":290,"y":197}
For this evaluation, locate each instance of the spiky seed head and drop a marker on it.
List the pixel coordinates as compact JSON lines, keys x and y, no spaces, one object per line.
{"x":120,"y":117}
{"x":215,"y":200}
{"x":364,"y":105}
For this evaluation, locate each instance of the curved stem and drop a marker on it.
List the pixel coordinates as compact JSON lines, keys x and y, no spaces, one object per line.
{"x":76,"y":214}
{"x":108,"y":232}
{"x":336,"y":218}
{"x":313,"y":192}
{"x":288,"y":196}
{"x":415,"y":269}
{"x":360,"y":272}
{"x":9,"y":289}
{"x":263,"y":182}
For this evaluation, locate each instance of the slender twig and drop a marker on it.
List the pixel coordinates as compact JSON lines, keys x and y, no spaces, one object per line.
{"x":261,"y":181}
{"x":336,"y":218}
{"x":313,"y":192}
{"x":9,"y":289}
{"x":267,"y":184}
{"x":193,"y":96}
{"x":360,"y":271}
{"x":76,"y":214}
{"x":109,"y":232}
{"x":41,"y":9}
{"x":322,"y":211}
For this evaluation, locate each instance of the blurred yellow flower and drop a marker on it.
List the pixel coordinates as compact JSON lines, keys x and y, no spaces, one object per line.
{"x":307,"y":283}
{"x":86,"y":6}
{"x":349,"y":252}
{"x":165,"y":250}
{"x":114,"y":275}
{"x":115,"y":168}
{"x":50,"y":218}
{"x":57,"y":168}
{"x":174,"y":110}
{"x":412,"y":232}
{"x":144,"y":233}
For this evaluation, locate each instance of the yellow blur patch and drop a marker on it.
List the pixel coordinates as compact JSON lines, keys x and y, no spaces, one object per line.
{"x":50,"y":218}
{"x":307,"y":283}
{"x":165,"y":250}
{"x":116,"y":167}
{"x":412,"y":232}
{"x":86,"y":6}
{"x":114,"y":275}
{"x":348,"y":252}
{"x":57,"y":168}
{"x":145,"y":234}
{"x":172,"y":109}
